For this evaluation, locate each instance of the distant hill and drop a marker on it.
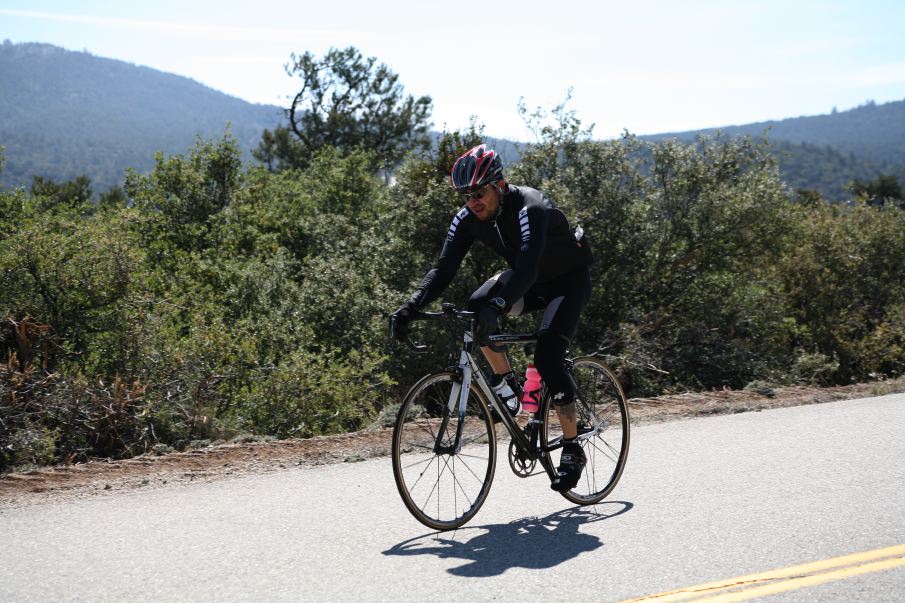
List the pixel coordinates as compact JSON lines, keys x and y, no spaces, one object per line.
{"x":65,"y":114}
{"x":826,"y":152}
{"x":872,"y":132}
{"x":827,"y":169}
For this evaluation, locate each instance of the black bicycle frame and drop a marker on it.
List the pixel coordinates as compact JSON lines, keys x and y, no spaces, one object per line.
{"x":468,"y":370}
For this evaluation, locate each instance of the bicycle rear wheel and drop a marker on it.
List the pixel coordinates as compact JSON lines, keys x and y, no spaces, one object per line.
{"x":603,"y":429}
{"x":443,"y":489}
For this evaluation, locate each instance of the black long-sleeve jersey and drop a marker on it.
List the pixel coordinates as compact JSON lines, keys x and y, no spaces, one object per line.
{"x":530,"y":232}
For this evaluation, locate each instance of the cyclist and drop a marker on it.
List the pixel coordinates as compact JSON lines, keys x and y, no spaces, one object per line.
{"x":548,"y":269}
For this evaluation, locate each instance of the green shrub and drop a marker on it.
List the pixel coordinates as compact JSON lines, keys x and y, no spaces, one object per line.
{"x":314,"y":394}
{"x":218,"y":302}
{"x":51,"y":419}
{"x":813,"y":368}
{"x":761,"y":388}
{"x":31,"y":445}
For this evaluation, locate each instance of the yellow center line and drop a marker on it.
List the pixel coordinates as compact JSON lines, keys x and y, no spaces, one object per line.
{"x":793,"y":583}
{"x":797,"y":573}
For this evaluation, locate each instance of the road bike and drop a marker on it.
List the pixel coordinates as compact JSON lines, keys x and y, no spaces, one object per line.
{"x":444,"y":447}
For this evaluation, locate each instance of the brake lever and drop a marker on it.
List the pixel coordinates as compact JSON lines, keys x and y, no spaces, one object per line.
{"x":417,"y":348}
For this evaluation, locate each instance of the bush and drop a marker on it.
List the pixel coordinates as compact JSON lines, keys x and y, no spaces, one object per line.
{"x":813,"y":368}
{"x":685,"y":238}
{"x":50,"y":419}
{"x":761,"y":388}
{"x":845,"y":284}
{"x":217,"y":302}
{"x":314,"y":394}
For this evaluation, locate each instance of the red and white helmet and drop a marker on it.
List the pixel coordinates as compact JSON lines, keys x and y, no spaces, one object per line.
{"x":476,"y":168}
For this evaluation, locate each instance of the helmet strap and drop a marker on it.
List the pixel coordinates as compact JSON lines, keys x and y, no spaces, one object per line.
{"x":499,"y":192}
{"x":499,"y":207}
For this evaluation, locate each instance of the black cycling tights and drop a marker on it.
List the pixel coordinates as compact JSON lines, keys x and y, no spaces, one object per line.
{"x":549,"y":359}
{"x":562,"y":300}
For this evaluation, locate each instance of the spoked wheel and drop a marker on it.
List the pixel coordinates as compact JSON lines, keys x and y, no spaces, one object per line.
{"x":603,"y":430}
{"x":443,"y":487}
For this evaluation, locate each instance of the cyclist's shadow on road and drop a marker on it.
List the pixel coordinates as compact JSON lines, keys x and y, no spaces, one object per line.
{"x":533,"y":542}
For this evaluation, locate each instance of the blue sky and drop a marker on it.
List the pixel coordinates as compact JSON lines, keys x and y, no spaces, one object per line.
{"x":645,"y":66}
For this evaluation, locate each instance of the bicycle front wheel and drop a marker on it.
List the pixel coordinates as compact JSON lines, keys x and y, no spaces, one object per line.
{"x":603,"y":429}
{"x":441,"y":485}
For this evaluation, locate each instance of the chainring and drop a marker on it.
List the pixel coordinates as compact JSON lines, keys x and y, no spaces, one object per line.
{"x":519,"y":462}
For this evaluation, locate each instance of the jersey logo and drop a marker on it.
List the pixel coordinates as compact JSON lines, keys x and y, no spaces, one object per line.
{"x":523,"y":224}
{"x":455,"y":223}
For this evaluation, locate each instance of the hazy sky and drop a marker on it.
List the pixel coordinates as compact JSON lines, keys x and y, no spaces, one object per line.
{"x":642,"y":66}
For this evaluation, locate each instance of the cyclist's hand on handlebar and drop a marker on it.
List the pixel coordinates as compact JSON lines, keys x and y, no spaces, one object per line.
{"x":400,"y":319}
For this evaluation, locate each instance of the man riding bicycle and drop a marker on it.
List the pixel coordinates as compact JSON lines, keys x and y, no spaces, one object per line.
{"x":548,"y":270}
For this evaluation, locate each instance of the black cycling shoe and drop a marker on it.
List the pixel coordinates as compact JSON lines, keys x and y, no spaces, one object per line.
{"x":571,"y":463}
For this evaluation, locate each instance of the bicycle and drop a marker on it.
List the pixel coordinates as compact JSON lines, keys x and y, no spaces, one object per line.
{"x":444,"y":446}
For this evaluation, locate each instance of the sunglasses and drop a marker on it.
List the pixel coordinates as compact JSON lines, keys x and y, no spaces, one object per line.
{"x":476,"y":195}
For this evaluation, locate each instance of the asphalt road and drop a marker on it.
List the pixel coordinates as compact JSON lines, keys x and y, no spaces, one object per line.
{"x":704,"y":500}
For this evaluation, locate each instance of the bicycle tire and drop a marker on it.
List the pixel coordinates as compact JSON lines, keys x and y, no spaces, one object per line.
{"x":599,"y":393}
{"x":461,"y":480}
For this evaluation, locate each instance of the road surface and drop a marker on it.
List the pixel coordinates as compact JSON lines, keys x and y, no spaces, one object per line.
{"x":702,"y":501}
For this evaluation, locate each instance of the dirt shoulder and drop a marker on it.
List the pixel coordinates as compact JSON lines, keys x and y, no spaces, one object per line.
{"x":98,"y":478}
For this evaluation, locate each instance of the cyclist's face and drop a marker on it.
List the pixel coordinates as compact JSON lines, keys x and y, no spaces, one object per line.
{"x":483,"y":202}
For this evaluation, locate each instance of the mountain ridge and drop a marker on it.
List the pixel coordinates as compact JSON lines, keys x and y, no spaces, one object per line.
{"x":67,"y":113}
{"x":843,"y":130}
{"x":94,"y":101}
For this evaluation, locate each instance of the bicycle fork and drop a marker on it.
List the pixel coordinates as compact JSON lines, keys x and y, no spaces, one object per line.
{"x":455,"y":405}
{"x":458,"y":399}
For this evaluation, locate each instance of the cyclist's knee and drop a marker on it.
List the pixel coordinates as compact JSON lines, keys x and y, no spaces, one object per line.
{"x":549,"y":358}
{"x":486,"y":291}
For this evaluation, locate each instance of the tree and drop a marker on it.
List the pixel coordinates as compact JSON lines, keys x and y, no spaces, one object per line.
{"x":72,"y":194}
{"x":885,"y":188}
{"x":808,"y":197}
{"x":182,"y":196}
{"x":115,"y":197}
{"x":348,"y":102}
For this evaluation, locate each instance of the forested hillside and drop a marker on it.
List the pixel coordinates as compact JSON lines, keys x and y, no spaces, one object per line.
{"x":873,"y":132}
{"x":826,"y":152}
{"x":65,"y":114}
{"x":826,"y":169}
